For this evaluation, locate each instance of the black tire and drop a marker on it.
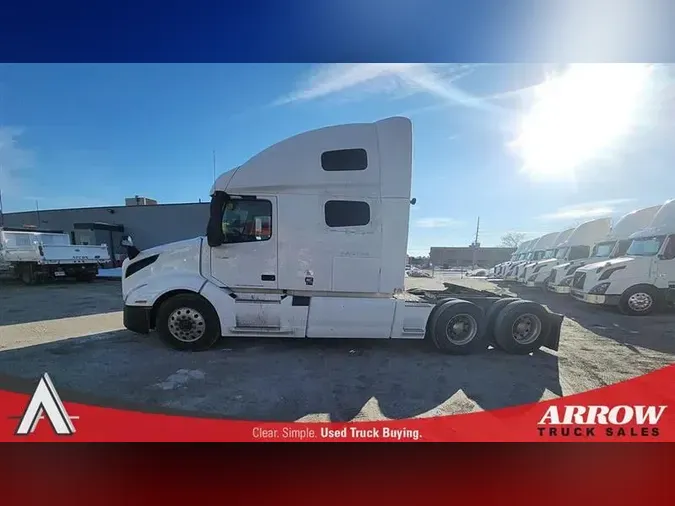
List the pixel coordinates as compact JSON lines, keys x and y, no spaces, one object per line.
{"x":87,"y":278}
{"x":529,"y":314}
{"x":471,"y":338}
{"x":28,"y":275}
{"x":491,"y":317}
{"x":644,"y":292}
{"x":190,"y":308}
{"x":430,"y":319}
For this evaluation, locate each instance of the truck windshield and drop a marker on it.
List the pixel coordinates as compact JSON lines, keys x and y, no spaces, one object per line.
{"x":621,"y":248}
{"x":603,"y":249}
{"x":560,"y":253}
{"x":550,"y":253}
{"x":538,"y":255}
{"x":646,"y":247}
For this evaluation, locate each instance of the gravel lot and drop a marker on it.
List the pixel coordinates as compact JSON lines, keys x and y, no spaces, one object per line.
{"x":74,"y":331}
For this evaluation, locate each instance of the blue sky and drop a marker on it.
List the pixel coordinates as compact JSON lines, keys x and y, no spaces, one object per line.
{"x":493,"y":141}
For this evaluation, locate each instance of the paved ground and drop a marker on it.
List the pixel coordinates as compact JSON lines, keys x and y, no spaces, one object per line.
{"x":42,"y":329}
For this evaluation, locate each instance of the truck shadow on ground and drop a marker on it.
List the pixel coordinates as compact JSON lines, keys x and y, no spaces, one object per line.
{"x":281,"y":379}
{"x":655,"y":332}
{"x":58,"y":299}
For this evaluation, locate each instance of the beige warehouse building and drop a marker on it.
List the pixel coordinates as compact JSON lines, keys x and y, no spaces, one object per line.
{"x":463,"y":257}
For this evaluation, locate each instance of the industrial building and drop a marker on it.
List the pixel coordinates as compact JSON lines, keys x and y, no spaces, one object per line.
{"x":149,"y":223}
{"x":464,"y":257}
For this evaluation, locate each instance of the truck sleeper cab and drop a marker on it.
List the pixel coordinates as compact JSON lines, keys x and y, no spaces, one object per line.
{"x":308,"y":239}
{"x":534,"y":273}
{"x":511,"y":272}
{"x":612,"y":245}
{"x":541,"y":248}
{"x":641,"y":281}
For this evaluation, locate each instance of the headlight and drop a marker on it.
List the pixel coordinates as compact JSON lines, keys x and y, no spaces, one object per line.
{"x":572,"y":270}
{"x":532,"y":278}
{"x":566,"y":281}
{"x":599,"y":289}
{"x":537,"y":268}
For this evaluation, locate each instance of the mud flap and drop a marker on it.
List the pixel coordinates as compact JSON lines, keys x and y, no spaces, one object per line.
{"x":552,"y":341}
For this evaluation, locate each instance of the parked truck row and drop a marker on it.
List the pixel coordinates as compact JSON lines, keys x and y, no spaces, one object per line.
{"x":629,"y":264}
{"x":308,"y":239}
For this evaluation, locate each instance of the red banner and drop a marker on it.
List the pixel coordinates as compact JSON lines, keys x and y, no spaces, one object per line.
{"x":640,"y":409}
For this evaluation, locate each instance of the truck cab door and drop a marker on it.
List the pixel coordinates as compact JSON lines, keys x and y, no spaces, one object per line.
{"x":665,"y":265}
{"x":248,"y":258}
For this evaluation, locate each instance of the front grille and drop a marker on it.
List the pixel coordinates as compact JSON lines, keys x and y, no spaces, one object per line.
{"x":551,"y":277}
{"x":579,"y":278}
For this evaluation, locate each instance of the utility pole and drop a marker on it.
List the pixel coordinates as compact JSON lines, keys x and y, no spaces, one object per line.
{"x":214,"y":166}
{"x":475,"y":244}
{"x":37,"y":211}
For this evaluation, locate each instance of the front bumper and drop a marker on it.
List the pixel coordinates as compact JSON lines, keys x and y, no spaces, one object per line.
{"x":601,"y":300}
{"x":534,"y":284}
{"x":558,"y":288}
{"x":137,"y":319}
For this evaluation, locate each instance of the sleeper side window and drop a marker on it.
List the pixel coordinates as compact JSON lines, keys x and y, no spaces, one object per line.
{"x":247,"y":220}
{"x":346,"y":213}
{"x":344,"y":159}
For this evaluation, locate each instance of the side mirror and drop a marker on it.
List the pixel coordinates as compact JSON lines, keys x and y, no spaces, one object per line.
{"x":128,"y":243}
{"x":413,"y":201}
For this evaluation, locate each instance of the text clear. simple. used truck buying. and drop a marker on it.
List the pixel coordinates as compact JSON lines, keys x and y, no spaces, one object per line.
{"x":308,"y":239}
{"x":640,"y":281}
{"x":34,"y":255}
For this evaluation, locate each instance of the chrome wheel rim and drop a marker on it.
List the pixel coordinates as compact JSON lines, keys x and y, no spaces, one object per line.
{"x":640,"y":302}
{"x":186,"y":324}
{"x":461,"y":329}
{"x":526,"y":328}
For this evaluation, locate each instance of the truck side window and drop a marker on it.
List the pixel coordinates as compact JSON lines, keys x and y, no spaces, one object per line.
{"x":344,"y":159}
{"x":247,"y":220}
{"x":577,"y":252}
{"x":346,"y":213}
{"x":669,"y":251}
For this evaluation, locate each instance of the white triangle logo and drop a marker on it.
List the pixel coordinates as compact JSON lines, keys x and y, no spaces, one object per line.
{"x":46,"y":401}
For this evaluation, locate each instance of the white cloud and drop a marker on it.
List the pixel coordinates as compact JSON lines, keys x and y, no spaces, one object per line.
{"x":398,"y":79}
{"x":588,"y":210}
{"x":437,"y":222}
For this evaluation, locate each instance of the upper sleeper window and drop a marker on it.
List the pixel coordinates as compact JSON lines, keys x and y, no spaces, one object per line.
{"x":344,"y":159}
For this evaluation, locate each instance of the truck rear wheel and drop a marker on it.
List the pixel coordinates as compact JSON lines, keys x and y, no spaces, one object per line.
{"x":457,"y":327}
{"x":491,"y":317}
{"x":188,"y":322}
{"x":521,"y":327}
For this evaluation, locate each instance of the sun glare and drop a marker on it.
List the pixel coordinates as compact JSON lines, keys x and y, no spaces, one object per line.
{"x":579,"y":116}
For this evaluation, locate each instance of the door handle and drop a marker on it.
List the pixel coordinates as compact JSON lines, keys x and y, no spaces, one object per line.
{"x":268,"y":277}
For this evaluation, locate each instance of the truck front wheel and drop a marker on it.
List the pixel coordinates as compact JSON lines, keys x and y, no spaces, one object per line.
{"x":188,"y":322}
{"x":640,"y":300}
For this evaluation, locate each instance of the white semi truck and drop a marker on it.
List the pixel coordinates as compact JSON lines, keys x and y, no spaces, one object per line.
{"x":34,"y":255}
{"x":612,"y":245}
{"x":577,"y":246}
{"x":641,"y":281}
{"x":500,"y":269}
{"x":511,"y":271}
{"x":308,"y":239}
{"x":544,"y":243}
{"x":531,"y":270}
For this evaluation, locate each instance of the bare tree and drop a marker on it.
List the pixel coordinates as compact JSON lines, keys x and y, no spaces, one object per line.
{"x":512,"y":239}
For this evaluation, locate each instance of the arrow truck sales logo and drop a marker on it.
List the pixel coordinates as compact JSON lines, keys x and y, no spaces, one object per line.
{"x":46,"y":400}
{"x":592,"y":421}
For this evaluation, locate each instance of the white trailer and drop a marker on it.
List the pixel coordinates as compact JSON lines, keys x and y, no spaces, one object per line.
{"x":614,"y":244}
{"x":33,"y":255}
{"x":641,"y":281}
{"x":308,"y":239}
